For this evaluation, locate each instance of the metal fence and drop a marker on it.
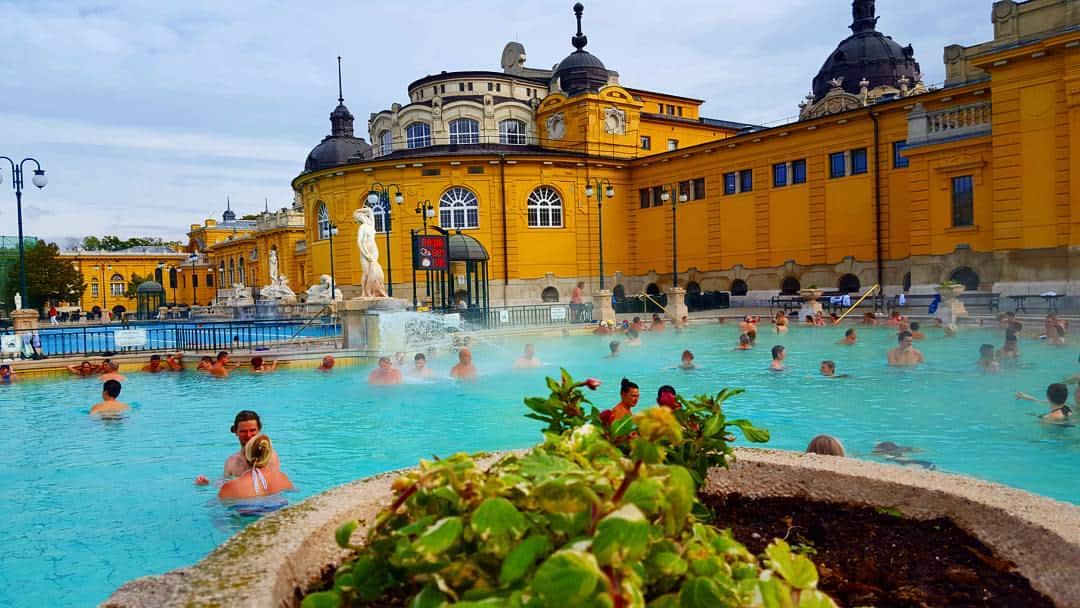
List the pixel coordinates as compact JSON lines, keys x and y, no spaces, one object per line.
{"x":172,"y":336}
{"x":533,"y":315}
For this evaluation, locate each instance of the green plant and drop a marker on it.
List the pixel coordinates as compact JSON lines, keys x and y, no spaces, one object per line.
{"x":591,"y":518}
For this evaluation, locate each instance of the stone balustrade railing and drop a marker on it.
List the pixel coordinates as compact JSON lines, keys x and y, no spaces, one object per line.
{"x":950,"y":123}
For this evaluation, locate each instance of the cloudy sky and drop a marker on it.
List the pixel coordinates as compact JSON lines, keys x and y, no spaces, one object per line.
{"x":146,"y":115}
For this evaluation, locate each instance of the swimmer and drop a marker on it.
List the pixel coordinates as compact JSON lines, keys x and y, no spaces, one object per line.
{"x":828,"y":369}
{"x":1051,"y":324}
{"x":205,"y":364}
{"x":778,"y":356}
{"x":1006,"y":319}
{"x":464,"y":370}
{"x":637,"y":325}
{"x":109,"y":406}
{"x":420,"y":368}
{"x":1056,"y":395}
{"x":111,"y":371}
{"x":220,"y":368}
{"x":262,"y":478}
{"x":868,"y":318}
{"x":1057,"y":338}
{"x":667,"y":397}
{"x":327,"y":364}
{"x":7,"y":375}
{"x":603,"y":329}
{"x":386,"y":374}
{"x":810,"y":320}
{"x":154,"y":366}
{"x":83,"y":369}
{"x":528,"y":358}
{"x":747,"y":324}
{"x":245,"y":425}
{"x":915,"y":333}
{"x":258,"y":366}
{"x":987,"y":361}
{"x":687,"y":361}
{"x":1010,"y":351}
{"x":744,"y":342}
{"x":613,"y":346}
{"x":905,"y":355}
{"x":895,"y":318}
{"x":834,"y":318}
{"x":849,"y":337}
{"x":175,"y":362}
{"x":826,"y":445}
{"x":632,"y":338}
{"x":629,"y":393}
{"x":781,"y":322}
{"x":657,"y":323}
{"x":682,"y":323}
{"x":819,"y":319}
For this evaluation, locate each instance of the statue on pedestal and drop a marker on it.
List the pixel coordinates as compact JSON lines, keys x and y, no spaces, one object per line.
{"x":278,"y":289}
{"x":320,"y":294}
{"x":18,"y":301}
{"x":373,"y":283}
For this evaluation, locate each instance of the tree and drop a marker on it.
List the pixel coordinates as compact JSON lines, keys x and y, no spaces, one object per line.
{"x":111,"y":242}
{"x":48,"y":277}
{"x":134,"y":282}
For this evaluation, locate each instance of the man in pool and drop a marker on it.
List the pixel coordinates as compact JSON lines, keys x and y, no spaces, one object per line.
{"x":744,"y":342}
{"x":109,"y":406}
{"x":828,"y":369}
{"x":987,"y":361}
{"x":175,"y":362}
{"x":7,"y":376}
{"x":527,"y":359}
{"x":154,"y":366}
{"x":464,"y":370}
{"x":327,"y":364}
{"x":849,"y":337}
{"x":83,"y":369}
{"x":220,"y":368}
{"x":205,"y":363}
{"x":111,"y":371}
{"x":385,"y":374}
{"x":778,"y":356}
{"x":687,"y":361}
{"x":420,"y":368}
{"x":245,"y":426}
{"x":905,"y":355}
{"x":613,"y":346}
{"x":258,"y":366}
{"x":657,"y":323}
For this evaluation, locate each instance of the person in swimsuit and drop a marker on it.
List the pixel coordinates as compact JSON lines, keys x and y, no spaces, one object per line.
{"x":465,"y":369}
{"x":744,"y":342}
{"x":1056,"y":395}
{"x":778,"y":356}
{"x":629,"y":393}
{"x":987,"y":361}
{"x":154,"y":366}
{"x":245,"y":425}
{"x":849,"y":337}
{"x":327,"y":364}
{"x":108,"y":406}
{"x":110,"y":371}
{"x":905,"y":355}
{"x":420,"y":368}
{"x":205,"y":363}
{"x":175,"y":362}
{"x":220,"y":368}
{"x":7,"y":376}
{"x":826,"y":445}
{"x":258,"y":366}
{"x":83,"y":369}
{"x":613,"y":346}
{"x":915,"y":333}
{"x":781,"y":322}
{"x":385,"y":374}
{"x":262,"y":478}
{"x":666,"y":397}
{"x":687,"y":361}
{"x":527,"y":359}
{"x":657,"y":323}
{"x":632,"y":337}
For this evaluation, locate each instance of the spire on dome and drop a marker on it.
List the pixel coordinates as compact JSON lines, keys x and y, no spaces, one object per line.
{"x":341,"y":119}
{"x":862,"y":16}
{"x":579,"y":40}
{"x":229,"y":215}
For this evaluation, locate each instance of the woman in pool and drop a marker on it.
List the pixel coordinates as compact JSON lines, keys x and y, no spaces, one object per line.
{"x":687,"y":361}
{"x":1010,"y":352}
{"x":744,"y":342}
{"x":1057,"y":395}
{"x":262,"y":479}
{"x":665,"y":397}
{"x":258,"y":366}
{"x":987,"y":361}
{"x":7,"y":375}
{"x":629,"y":393}
{"x":781,"y":322}
{"x":826,"y":445}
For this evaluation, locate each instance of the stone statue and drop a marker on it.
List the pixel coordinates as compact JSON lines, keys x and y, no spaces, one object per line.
{"x":18,"y":301}
{"x":373,"y":284}
{"x":273,"y":267}
{"x":278,"y":289}
{"x":241,"y":296}
{"x":320,"y":293}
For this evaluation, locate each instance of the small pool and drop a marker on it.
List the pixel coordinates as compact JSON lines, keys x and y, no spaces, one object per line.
{"x":89,"y":504}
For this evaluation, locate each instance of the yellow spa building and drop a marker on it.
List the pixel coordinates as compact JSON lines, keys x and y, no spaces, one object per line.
{"x":881,"y":180}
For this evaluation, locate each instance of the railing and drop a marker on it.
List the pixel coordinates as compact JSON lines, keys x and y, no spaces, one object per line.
{"x":960,"y":121}
{"x":533,"y":315}
{"x":100,"y":340}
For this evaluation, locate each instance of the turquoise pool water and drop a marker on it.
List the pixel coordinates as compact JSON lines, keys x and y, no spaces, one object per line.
{"x":89,"y":504}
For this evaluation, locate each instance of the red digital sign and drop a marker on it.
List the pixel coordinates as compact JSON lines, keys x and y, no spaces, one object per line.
{"x":430,"y":252}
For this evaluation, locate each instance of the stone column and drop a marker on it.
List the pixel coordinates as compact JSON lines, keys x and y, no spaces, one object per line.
{"x":602,"y":310}
{"x":676,"y":303}
{"x":25,"y":319}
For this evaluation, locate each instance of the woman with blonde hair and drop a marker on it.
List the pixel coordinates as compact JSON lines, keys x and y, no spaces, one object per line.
{"x":261,"y":479}
{"x":827,"y":445}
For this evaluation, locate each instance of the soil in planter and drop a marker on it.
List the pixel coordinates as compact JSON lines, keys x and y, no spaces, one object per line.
{"x":872,"y":557}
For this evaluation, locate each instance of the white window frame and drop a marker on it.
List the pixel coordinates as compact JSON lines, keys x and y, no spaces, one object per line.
{"x":117,"y":285}
{"x":415,"y":139}
{"x":513,"y":138}
{"x":381,"y":211}
{"x":322,"y":221}
{"x":95,"y":289}
{"x":545,"y":208}
{"x":464,"y":131}
{"x":459,"y":209}
{"x":386,"y":142}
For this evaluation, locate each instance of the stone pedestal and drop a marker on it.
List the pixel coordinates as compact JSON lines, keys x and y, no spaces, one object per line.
{"x":951,"y":309}
{"x":360,"y":320}
{"x":676,"y":303}
{"x":602,"y":310}
{"x":811,"y":306}
{"x":24,"y":319}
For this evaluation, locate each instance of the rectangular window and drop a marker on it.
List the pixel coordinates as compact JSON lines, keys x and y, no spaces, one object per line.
{"x":646,"y":142}
{"x":442,"y":88}
{"x":798,"y":171}
{"x":670,"y":110}
{"x":730,"y":183}
{"x":461,"y":86}
{"x":837,"y":165}
{"x":660,"y":108}
{"x":209,"y":279}
{"x":858,"y":161}
{"x":476,"y":170}
{"x":899,"y":161}
{"x":195,"y":281}
{"x":779,"y":175}
{"x":684,"y":190}
{"x":699,"y":189}
{"x":644,"y":198}
{"x":672,"y":144}
{"x":657,"y":198}
{"x":469,"y":86}
{"x":117,"y":289}
{"x":491,"y":86}
{"x":430,"y":172}
{"x":963,"y":201}
{"x":94,"y":289}
{"x":498,"y":87}
{"x":679,"y":110}
{"x":434,"y":91}
{"x":746,"y":180}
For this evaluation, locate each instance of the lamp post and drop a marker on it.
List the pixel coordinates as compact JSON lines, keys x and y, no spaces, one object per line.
{"x":332,"y":231}
{"x":193,"y":258}
{"x":675,"y":200}
{"x":601,"y":188}
{"x":425,"y":210}
{"x":38,"y":180}
{"x":375,"y":194}
{"x":104,"y":286}
{"x":175,"y":280}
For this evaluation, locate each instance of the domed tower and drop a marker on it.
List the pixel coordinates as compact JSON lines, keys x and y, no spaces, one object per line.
{"x":867,"y":66}
{"x":581,"y":71}
{"x":338,"y":147}
{"x":228,"y":215}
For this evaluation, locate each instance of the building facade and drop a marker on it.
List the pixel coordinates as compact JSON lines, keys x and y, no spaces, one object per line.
{"x":882,"y":181}
{"x":108,"y":275}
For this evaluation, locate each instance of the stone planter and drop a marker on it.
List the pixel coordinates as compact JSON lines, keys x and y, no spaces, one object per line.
{"x":278,"y":557}
{"x":810,"y":306}
{"x":951,"y":309}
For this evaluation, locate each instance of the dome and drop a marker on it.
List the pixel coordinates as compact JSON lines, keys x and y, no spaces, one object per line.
{"x":867,"y":54}
{"x":152,"y":287}
{"x":581,"y":71}
{"x":334,"y":151}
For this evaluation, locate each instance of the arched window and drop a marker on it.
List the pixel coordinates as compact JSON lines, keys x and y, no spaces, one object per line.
{"x":619,"y":292}
{"x":386,"y":142}
{"x":418,"y":135}
{"x":95,"y":289}
{"x":739,"y":287}
{"x":966,"y":277}
{"x":512,"y":132}
{"x":322,"y":222}
{"x":232,"y":273}
{"x":464,"y":131}
{"x":221,"y":275}
{"x":790,"y":286}
{"x":381,"y":210}
{"x":240,"y":271}
{"x":550,"y":294}
{"x":652,"y":289}
{"x":173,"y":278}
{"x":693,"y":288}
{"x":907,"y":282}
{"x":545,"y":208}
{"x":849,"y":283}
{"x":117,"y":285}
{"x":458,"y":208}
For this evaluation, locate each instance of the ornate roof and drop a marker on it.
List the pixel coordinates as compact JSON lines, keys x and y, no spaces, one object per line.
{"x":581,"y":71}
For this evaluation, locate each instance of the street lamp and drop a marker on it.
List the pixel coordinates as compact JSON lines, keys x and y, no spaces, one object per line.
{"x":331,"y":232}
{"x":193,"y":258}
{"x":600,"y":187}
{"x":38,"y":180}
{"x":425,"y":210}
{"x":104,"y":286}
{"x":682,"y":197}
{"x":375,"y":194}
{"x":175,"y":280}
